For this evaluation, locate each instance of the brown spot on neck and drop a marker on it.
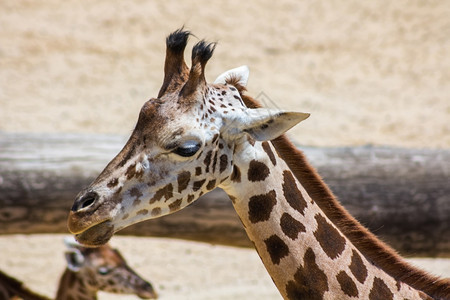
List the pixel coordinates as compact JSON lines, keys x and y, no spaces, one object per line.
{"x":257,"y":171}
{"x":276,"y":248}
{"x":236,"y":174}
{"x":309,"y":282}
{"x":358,"y":268}
{"x":260,"y":206}
{"x":347,"y":285}
{"x":292,"y":194}
{"x":290,"y":226}
{"x":268,"y":150}
{"x":331,"y":241}
{"x":380,"y":290}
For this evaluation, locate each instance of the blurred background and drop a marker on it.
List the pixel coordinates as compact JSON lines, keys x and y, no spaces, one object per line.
{"x":368,"y":72}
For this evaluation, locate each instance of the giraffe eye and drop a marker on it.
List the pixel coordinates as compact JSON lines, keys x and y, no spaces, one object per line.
{"x":103,"y":270}
{"x":188,"y":148}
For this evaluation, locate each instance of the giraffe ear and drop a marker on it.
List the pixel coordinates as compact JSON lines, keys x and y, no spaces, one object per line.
{"x":75,"y":259}
{"x":266,"y":124}
{"x":241,"y":72}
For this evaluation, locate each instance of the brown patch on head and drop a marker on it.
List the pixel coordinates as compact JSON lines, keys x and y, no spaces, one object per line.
{"x":113,"y":182}
{"x":276,"y":248}
{"x":198,"y":185}
{"x":183,"y":180}
{"x":290,"y":226}
{"x":257,"y":171}
{"x":207,"y":160}
{"x":174,"y":206}
{"x":198,"y":171}
{"x":236,"y":175}
{"x":380,"y":290}
{"x":214,"y":162}
{"x":156,"y":211}
{"x":331,"y":241}
{"x":131,"y":171}
{"x":142,"y":212}
{"x":347,"y":285}
{"x":358,"y":268}
{"x":268,"y":150}
{"x":136,"y":202}
{"x":310,"y":282}
{"x":135,"y":192}
{"x":211,"y":184}
{"x":190,"y":198}
{"x":260,"y":206}
{"x":125,"y":154}
{"x":223,"y":162}
{"x":166,"y":192}
{"x":292,"y":194}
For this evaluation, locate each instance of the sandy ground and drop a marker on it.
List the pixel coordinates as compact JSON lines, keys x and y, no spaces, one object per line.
{"x":369,"y":72}
{"x":177,"y":269}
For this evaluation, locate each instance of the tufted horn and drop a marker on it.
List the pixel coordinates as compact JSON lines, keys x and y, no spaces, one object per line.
{"x":175,"y":68}
{"x":201,"y":53}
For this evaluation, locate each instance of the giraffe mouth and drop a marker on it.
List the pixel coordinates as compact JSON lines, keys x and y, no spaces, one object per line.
{"x":96,"y":235}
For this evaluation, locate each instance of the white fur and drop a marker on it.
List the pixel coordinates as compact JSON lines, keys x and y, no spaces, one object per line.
{"x":263,"y":124}
{"x":241,"y":72}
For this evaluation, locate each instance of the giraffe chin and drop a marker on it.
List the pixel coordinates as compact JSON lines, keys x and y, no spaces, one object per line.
{"x":96,"y":235}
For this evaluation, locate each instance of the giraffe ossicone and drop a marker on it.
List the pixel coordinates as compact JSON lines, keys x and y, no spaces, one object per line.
{"x":197,"y":136}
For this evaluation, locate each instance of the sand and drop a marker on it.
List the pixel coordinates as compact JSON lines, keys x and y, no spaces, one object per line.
{"x":369,"y":73}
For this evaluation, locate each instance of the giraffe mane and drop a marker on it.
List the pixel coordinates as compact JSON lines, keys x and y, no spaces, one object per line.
{"x":370,"y":246}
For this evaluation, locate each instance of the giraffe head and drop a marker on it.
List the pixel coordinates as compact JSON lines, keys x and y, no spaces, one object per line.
{"x":104,"y":269}
{"x":183,"y":146}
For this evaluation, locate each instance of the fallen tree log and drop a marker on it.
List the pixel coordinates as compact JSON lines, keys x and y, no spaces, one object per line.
{"x":402,"y":195}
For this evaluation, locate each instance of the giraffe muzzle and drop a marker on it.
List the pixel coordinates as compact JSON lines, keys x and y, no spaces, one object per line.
{"x":96,"y":235}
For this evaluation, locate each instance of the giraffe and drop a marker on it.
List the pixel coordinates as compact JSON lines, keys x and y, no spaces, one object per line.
{"x":90,"y":270}
{"x":197,"y":136}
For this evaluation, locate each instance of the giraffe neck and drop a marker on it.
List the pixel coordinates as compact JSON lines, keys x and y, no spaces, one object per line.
{"x":304,"y":252}
{"x":72,"y":287}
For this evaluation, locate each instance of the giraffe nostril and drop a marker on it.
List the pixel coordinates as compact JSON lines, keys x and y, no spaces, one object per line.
{"x":85,"y":201}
